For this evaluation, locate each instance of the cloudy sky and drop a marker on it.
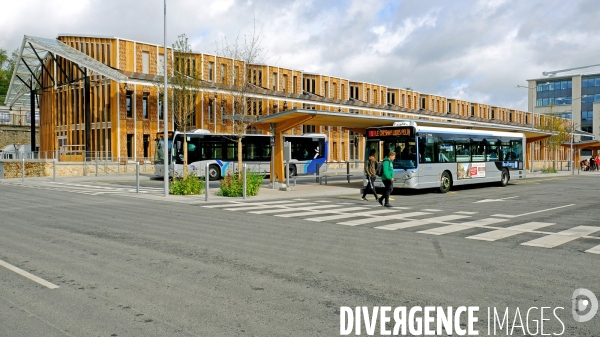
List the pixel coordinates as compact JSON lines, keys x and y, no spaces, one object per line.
{"x":476,"y":50}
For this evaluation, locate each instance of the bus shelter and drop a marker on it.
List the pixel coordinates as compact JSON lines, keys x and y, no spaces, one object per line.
{"x":281,"y":122}
{"x":592,"y":145}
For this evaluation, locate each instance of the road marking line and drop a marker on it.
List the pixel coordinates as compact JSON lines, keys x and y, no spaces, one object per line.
{"x":28,"y":275}
{"x":413,"y":223}
{"x":594,"y":250}
{"x":543,"y":210}
{"x":510,"y":231}
{"x":462,"y":226}
{"x":494,"y":200}
{"x":557,"y":239}
{"x":381,"y":218}
{"x":431,"y":210}
{"x":465,"y":212}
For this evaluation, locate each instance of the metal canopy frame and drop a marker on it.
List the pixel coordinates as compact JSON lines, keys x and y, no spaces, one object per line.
{"x":34,"y":53}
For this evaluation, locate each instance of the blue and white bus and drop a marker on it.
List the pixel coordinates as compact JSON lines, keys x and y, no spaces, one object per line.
{"x":219,"y":151}
{"x":435,"y":157}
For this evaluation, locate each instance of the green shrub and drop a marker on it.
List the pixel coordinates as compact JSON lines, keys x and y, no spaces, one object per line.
{"x":231,"y":186}
{"x":188,"y":185}
{"x":549,"y":170}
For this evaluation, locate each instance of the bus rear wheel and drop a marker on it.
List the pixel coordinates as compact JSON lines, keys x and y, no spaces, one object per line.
{"x":445,"y":182}
{"x":214,"y":172}
{"x":504,"y":178}
{"x":292,"y":171}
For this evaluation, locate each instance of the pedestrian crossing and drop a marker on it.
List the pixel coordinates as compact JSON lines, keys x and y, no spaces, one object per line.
{"x":86,"y":189}
{"x":401,"y":218}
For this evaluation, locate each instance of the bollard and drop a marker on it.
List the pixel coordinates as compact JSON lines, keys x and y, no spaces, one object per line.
{"x":96,"y":164}
{"x":137,"y":177}
{"x":206,"y":180}
{"x":23,"y":170}
{"x":245,"y":168}
{"x":348,"y":171}
{"x":54,"y":169}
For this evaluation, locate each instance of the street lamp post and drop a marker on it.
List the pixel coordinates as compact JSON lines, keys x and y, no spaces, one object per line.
{"x":165,"y":110}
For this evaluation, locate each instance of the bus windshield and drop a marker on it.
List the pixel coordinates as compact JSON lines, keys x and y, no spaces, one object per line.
{"x":405,"y":149}
{"x":159,"y":157}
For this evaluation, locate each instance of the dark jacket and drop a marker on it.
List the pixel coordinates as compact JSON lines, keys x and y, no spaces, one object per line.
{"x":371,"y":168}
{"x":388,"y":169}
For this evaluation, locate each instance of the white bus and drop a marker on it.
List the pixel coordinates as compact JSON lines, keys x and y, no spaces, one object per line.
{"x":309,"y":153}
{"x":435,"y":157}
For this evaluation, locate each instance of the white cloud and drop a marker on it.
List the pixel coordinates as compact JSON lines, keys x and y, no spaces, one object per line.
{"x":388,"y":40}
{"x":473,"y":50}
{"x":219,"y":7}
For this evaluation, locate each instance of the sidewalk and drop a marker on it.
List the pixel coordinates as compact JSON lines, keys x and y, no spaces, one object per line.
{"x":306,"y":186}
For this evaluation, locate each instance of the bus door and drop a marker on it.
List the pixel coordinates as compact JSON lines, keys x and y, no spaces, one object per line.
{"x":427,"y":172}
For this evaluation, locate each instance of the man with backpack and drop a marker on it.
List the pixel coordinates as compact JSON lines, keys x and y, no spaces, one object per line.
{"x":387,"y":177}
{"x":371,"y":175}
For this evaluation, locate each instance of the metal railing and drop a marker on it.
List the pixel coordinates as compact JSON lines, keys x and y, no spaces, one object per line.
{"x":16,"y":119}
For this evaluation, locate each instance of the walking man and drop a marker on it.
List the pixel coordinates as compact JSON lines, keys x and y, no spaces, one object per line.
{"x":387,"y":177}
{"x":371,"y":175}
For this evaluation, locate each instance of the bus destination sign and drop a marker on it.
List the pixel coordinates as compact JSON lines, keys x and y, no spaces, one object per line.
{"x":395,"y":132}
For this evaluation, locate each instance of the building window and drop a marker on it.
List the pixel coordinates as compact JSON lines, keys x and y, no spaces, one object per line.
{"x":160,"y":106}
{"x":145,"y":105}
{"x":130,"y":146}
{"x":449,"y":107}
{"x":327,"y":89}
{"x":211,"y":113}
{"x":161,"y":64}
{"x":223,"y":73}
{"x":472,"y":111}
{"x":285,"y":79}
{"x":294,"y":84}
{"x":274,"y":80}
{"x":146,"y":140}
{"x":308,"y":129}
{"x":423,"y":103}
{"x":223,"y":111}
{"x":211,"y":69}
{"x":145,"y":62}
{"x":236,"y":71}
{"x":129,"y":103}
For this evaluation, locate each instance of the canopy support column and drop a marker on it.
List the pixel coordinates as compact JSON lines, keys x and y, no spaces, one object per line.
{"x":278,"y":130}
{"x":88,"y":116}
{"x":32,"y":104}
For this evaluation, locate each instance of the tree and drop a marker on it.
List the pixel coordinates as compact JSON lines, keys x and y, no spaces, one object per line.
{"x":7,"y":66}
{"x":560,"y":128}
{"x":241,"y":111}
{"x":184,"y":88}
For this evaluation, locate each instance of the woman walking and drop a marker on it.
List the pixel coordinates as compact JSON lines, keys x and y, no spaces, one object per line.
{"x":370,"y":175}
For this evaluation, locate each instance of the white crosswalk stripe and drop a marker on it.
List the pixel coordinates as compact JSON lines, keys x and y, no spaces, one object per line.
{"x":509,"y":231}
{"x":408,"y":218}
{"x":421,"y":222}
{"x":557,"y":239}
{"x":462,"y":226}
{"x":381,"y":218}
{"x":86,"y":189}
{"x":320,"y":212}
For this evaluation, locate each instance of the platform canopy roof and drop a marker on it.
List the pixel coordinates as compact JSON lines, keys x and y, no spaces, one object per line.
{"x":33,"y":55}
{"x":359,"y":122}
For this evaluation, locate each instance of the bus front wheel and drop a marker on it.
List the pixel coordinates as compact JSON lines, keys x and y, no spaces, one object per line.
{"x":214,"y":172}
{"x":293,"y":171}
{"x":445,"y":182}
{"x":504,"y":178}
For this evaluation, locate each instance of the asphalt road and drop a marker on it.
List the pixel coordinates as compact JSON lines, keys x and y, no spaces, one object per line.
{"x":135,"y":267}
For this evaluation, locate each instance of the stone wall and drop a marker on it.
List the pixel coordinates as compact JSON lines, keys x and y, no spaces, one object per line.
{"x":16,"y":134}
{"x":45,"y":168}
